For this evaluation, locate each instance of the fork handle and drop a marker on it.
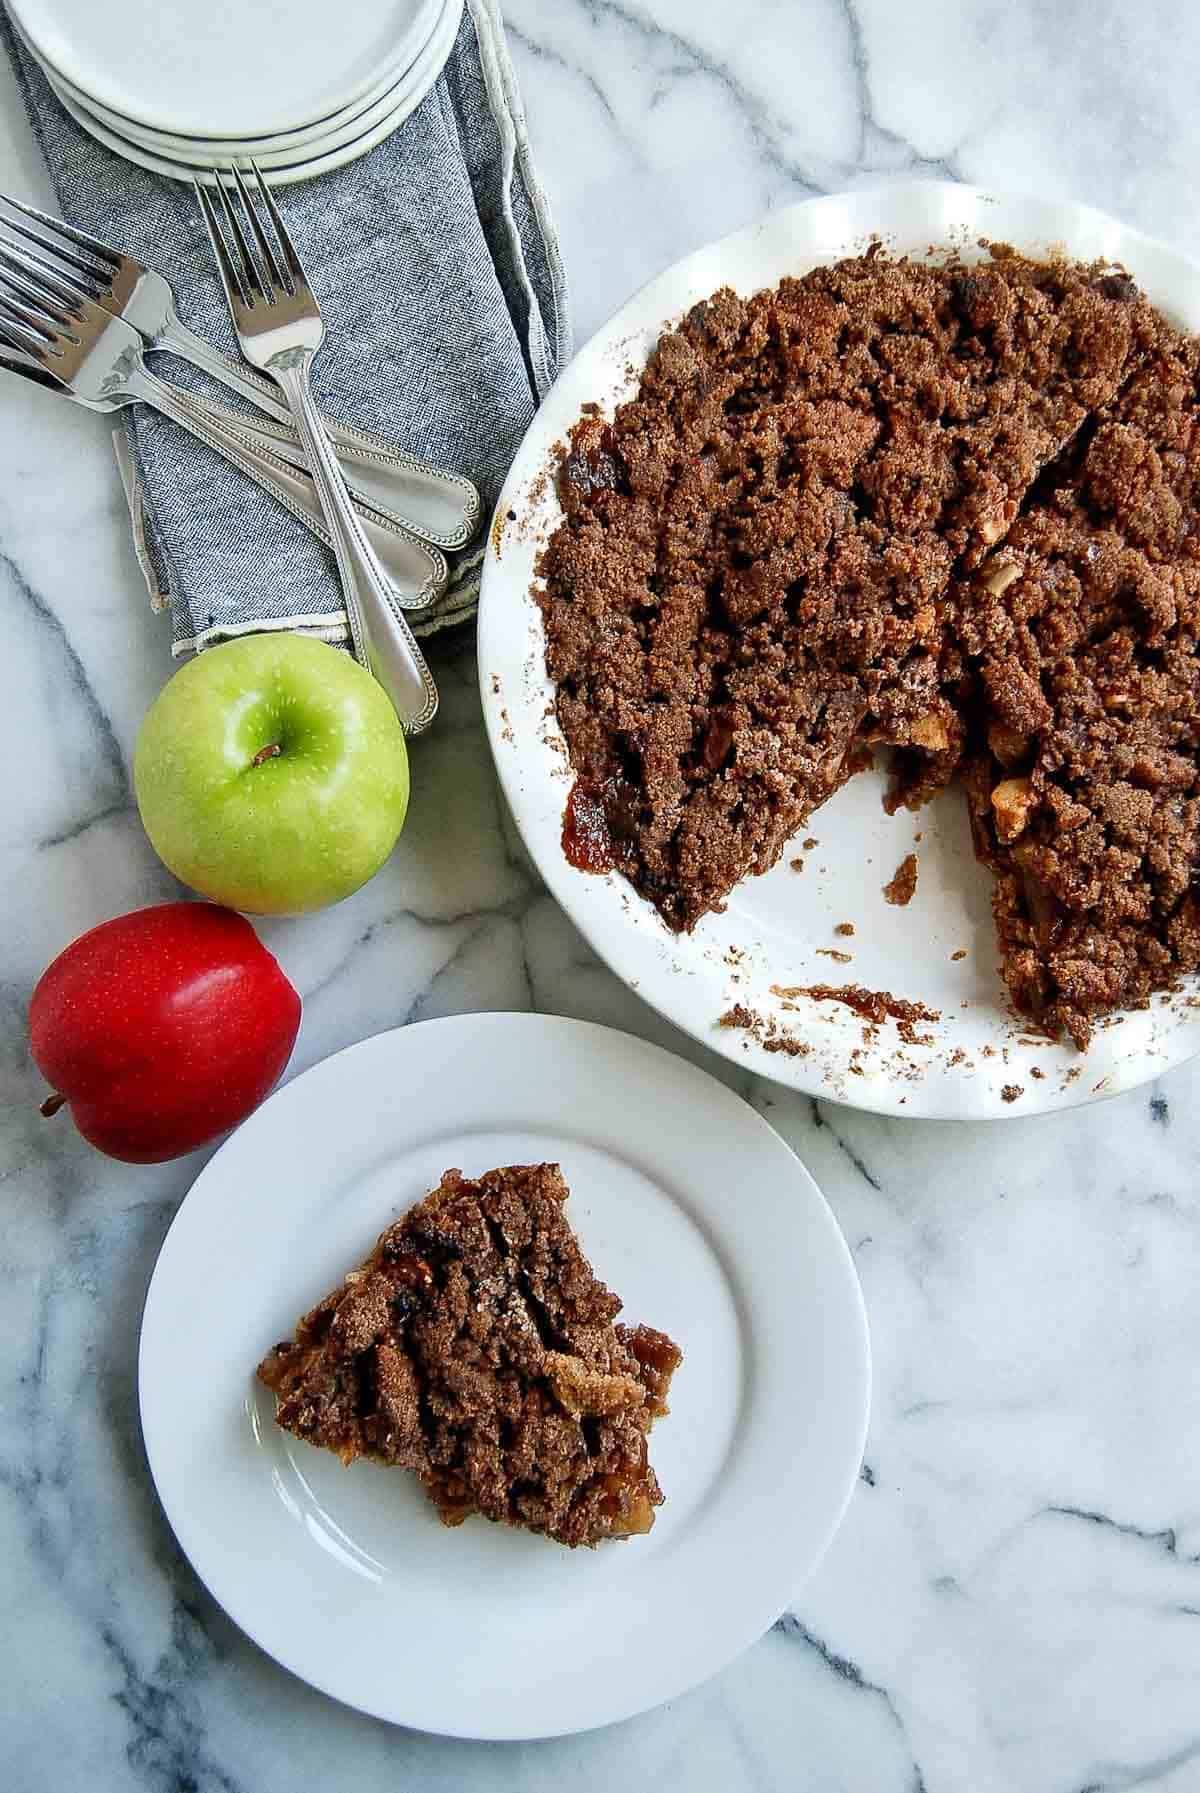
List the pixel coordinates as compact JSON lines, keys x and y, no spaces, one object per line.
{"x":442,"y":506}
{"x":295,"y":491}
{"x":394,"y":656}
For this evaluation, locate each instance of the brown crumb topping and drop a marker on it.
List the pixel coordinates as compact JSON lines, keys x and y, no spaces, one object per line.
{"x":902,"y":887}
{"x":765,"y":1029}
{"x":945,"y":511}
{"x":477,"y":1348}
{"x":872,"y":1005}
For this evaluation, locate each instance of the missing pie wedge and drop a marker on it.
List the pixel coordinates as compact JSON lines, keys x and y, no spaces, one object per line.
{"x":476,"y":1348}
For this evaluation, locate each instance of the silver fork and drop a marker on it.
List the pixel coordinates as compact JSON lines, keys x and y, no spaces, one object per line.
{"x":442,"y":506}
{"x":414,"y":563}
{"x":98,"y":360}
{"x":279,"y":327}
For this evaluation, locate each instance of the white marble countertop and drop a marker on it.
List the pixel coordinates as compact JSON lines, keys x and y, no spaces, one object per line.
{"x":1014,"y":1600}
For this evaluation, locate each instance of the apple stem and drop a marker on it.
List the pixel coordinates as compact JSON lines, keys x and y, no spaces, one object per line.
{"x":52,"y":1104}
{"x":267,"y":753}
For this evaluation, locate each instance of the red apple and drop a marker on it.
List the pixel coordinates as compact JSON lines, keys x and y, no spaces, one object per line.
{"x":162,"y":1029}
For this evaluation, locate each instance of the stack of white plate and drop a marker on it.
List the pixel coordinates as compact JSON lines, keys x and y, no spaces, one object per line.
{"x":186,"y":86}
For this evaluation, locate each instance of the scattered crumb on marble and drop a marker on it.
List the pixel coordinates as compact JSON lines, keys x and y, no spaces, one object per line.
{"x":903,"y":886}
{"x":960,"y":954}
{"x":797,"y":865}
{"x":845,"y":927}
{"x":987,"y":1052}
{"x":1012,"y":1092}
{"x":809,"y":843}
{"x":831,"y":952}
{"x":496,"y":686}
{"x":1037,"y":1072}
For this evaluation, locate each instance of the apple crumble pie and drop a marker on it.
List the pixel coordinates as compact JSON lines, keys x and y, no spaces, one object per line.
{"x":476,"y":1348}
{"x":945,"y":510}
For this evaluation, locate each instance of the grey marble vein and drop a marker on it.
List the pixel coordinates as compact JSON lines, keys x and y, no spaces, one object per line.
{"x":820,"y":1119}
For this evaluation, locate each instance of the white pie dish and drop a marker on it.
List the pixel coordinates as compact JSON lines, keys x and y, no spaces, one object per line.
{"x":779,"y":931}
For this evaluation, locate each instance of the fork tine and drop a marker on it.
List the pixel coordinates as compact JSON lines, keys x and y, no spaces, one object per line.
{"x":65,"y":241}
{"x":24,"y":330}
{"x":65,"y":286}
{"x":252,"y":278}
{"x":18,"y":357}
{"x":20,"y":363}
{"x":59,"y":227}
{"x":295,"y":265}
{"x":14,"y":356}
{"x":230,"y":279}
{"x":265,"y":247}
{"x":10,"y":336}
{"x":35,"y":298}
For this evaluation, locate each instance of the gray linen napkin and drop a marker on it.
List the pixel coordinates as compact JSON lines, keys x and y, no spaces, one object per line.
{"x":440,"y":281}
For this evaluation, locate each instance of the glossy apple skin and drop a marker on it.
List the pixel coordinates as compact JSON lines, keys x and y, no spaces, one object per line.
{"x":163,"y":1029}
{"x":271,"y":774}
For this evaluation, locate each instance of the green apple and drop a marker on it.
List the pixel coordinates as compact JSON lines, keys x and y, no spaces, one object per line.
{"x":271,"y":774}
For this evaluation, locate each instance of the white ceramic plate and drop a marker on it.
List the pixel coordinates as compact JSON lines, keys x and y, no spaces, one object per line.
{"x":779,"y":929}
{"x":687,"y":1203}
{"x":369,"y":109}
{"x":306,"y":163}
{"x":225,"y":68}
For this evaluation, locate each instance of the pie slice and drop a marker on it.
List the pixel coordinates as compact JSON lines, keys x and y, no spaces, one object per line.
{"x":476,"y":1348}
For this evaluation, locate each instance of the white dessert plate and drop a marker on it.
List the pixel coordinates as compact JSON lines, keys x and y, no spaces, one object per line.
{"x":225,"y":68}
{"x":367,"y":110}
{"x":688,"y":1205}
{"x":779,"y":933}
{"x":305,"y":163}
